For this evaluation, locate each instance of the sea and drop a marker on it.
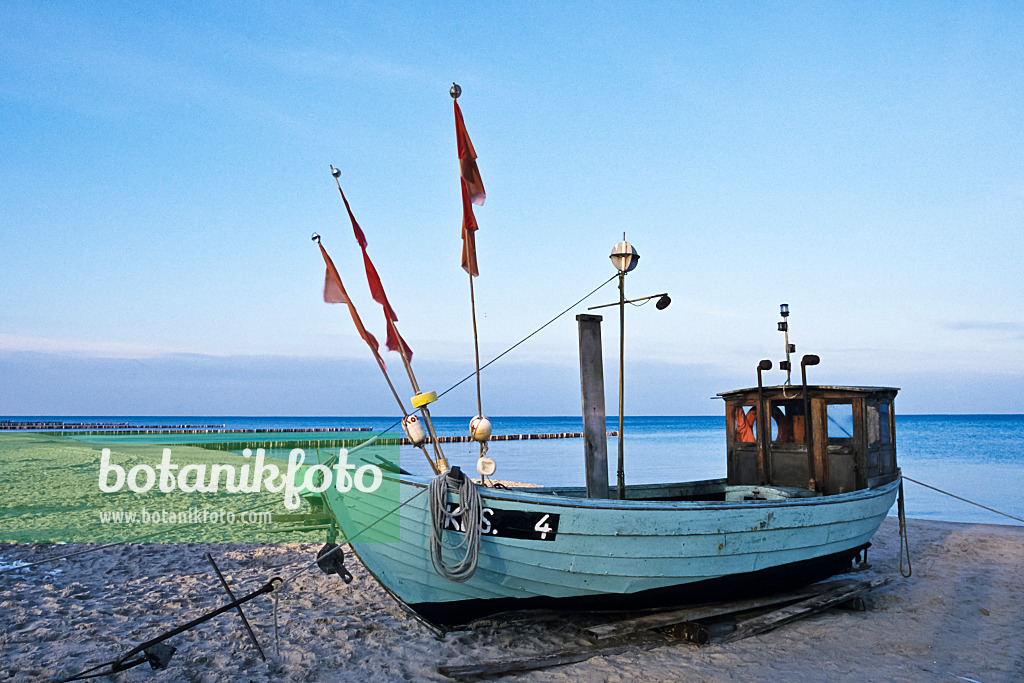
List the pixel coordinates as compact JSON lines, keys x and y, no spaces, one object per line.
{"x":979,"y":458}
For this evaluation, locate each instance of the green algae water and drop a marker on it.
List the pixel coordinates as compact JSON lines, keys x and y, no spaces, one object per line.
{"x":97,"y":488}
{"x":978,"y":457}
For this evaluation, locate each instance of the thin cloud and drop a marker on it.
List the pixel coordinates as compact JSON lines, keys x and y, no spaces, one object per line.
{"x":1014,"y":329}
{"x":15,"y":342}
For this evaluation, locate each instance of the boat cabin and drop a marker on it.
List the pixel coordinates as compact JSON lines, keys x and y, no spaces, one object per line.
{"x":825,"y":439}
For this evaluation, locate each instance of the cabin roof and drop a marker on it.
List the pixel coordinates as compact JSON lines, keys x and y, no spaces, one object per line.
{"x":810,"y":387}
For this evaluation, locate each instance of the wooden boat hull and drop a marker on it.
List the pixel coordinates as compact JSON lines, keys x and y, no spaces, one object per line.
{"x":611,"y":554}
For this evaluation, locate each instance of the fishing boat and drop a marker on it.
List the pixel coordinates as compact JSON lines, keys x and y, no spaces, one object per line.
{"x":793,"y":509}
{"x":811,"y":474}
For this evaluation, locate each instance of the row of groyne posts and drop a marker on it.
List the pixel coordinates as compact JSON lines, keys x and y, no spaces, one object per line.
{"x":127,"y":428}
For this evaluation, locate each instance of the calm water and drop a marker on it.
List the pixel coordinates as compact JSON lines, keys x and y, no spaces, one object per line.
{"x":978,"y":457}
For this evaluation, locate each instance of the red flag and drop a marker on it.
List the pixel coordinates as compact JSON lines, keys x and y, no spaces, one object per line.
{"x":360,"y":237}
{"x":467,"y":160}
{"x":472,"y":193}
{"x":469,"y":228}
{"x":334,"y":293}
{"x":394,"y":340}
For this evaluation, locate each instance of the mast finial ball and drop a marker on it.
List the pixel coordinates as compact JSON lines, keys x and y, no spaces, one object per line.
{"x":335,"y":172}
{"x":316,"y":238}
{"x":624,"y":256}
{"x":455,"y":91}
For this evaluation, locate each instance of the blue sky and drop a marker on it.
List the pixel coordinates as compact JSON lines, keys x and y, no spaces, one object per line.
{"x":163,"y":166}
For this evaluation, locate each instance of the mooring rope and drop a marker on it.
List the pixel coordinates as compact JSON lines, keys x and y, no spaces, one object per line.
{"x":904,"y":541}
{"x":349,"y":539}
{"x":277,"y":638}
{"x":953,"y":495}
{"x":469,"y":511}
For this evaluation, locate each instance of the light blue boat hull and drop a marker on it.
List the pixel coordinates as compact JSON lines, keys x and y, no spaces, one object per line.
{"x":621,"y":554}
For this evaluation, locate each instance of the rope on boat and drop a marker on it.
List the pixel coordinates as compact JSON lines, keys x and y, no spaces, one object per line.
{"x":445,"y":439}
{"x":500,"y":355}
{"x":469,"y":516}
{"x":349,"y":539}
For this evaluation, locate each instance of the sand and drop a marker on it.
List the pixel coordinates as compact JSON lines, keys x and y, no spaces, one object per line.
{"x":959,"y":617}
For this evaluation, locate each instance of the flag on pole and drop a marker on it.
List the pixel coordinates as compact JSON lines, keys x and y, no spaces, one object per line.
{"x":394,"y":340}
{"x":467,"y":160}
{"x":334,"y":293}
{"x":472,"y":192}
{"x":468,"y":234}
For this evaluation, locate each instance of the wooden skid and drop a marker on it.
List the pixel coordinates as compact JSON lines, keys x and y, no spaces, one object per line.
{"x":799,"y":610}
{"x":684,"y":624}
{"x":700,"y":612}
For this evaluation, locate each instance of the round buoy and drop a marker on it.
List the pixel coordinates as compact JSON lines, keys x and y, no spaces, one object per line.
{"x":480,"y":428}
{"x":413,"y":428}
{"x":485,"y":466}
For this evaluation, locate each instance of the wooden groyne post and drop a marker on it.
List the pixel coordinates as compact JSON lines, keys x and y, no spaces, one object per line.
{"x":595,"y":441}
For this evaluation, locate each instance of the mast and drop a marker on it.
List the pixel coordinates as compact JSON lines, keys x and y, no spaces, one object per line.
{"x":472,"y":193}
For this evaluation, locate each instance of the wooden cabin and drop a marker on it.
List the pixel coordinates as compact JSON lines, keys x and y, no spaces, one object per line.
{"x":826,"y":439}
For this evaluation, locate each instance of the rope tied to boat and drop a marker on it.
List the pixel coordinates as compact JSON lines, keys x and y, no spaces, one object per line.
{"x":466,"y":518}
{"x":904,"y":542}
{"x":904,"y":547}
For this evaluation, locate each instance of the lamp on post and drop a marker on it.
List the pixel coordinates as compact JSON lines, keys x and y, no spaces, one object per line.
{"x":624,"y":258}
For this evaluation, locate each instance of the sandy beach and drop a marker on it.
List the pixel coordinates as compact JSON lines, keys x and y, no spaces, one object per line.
{"x":959,"y":617}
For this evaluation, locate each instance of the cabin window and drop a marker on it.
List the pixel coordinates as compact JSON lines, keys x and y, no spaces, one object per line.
{"x":878,"y":423}
{"x":884,"y":418}
{"x":788,"y":421}
{"x":874,"y":424}
{"x":840,"y":422}
{"x":745,"y":422}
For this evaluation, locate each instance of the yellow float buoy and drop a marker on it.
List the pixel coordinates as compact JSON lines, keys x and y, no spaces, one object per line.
{"x":420,"y":400}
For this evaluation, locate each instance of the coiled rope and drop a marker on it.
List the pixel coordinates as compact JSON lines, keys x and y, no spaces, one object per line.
{"x":469,"y":514}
